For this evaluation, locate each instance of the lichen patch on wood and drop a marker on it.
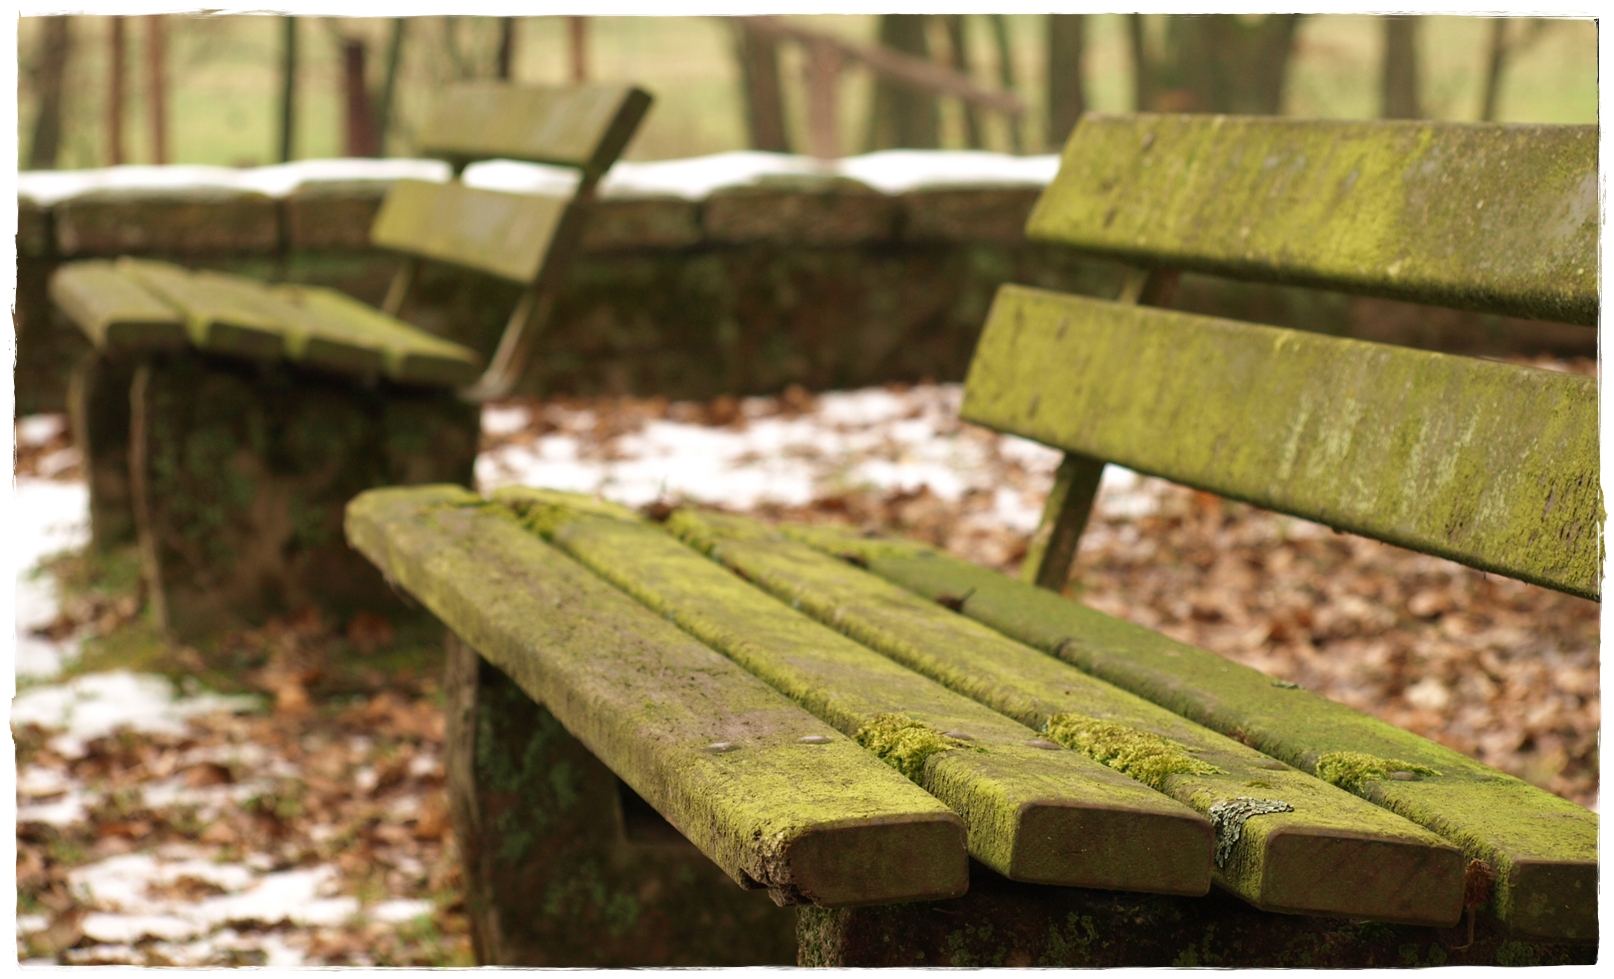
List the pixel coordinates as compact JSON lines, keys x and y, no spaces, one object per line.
{"x":904,"y":743}
{"x":1351,"y":770}
{"x":1147,"y":757}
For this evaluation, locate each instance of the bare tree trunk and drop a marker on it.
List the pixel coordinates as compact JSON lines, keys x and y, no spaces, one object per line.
{"x":361,"y":141}
{"x":157,"y":85}
{"x":1220,"y":63}
{"x":758,"y":55}
{"x":903,"y":117}
{"x":117,"y":72}
{"x":389,"y":87}
{"x":958,"y":41}
{"x":288,"y":86}
{"x":507,"y":43}
{"x":1000,"y":35}
{"x":1143,"y":68}
{"x":45,"y":146}
{"x":1399,"y":91}
{"x":1493,"y":69}
{"x":1066,"y":102}
{"x":823,"y":72}
{"x":579,"y":47}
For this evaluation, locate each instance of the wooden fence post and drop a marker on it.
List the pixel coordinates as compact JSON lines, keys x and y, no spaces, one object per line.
{"x":288,"y":85}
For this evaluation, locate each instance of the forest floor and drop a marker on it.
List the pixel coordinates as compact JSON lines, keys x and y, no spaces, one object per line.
{"x":296,"y":815}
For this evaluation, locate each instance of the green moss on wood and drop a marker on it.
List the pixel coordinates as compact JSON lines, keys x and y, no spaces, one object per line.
{"x":1147,"y":757}
{"x":1490,"y":217}
{"x":1351,"y":770}
{"x":1019,"y":802}
{"x":1544,"y":847}
{"x":1489,"y":464}
{"x":904,"y":743}
{"x":986,"y":666}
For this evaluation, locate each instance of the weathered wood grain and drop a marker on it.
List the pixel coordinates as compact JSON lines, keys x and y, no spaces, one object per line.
{"x":1499,"y":218}
{"x":115,"y":310}
{"x":1493,"y":465}
{"x":583,"y":126}
{"x":1050,"y":817}
{"x":1331,"y":854}
{"x":1543,"y":848}
{"x":501,"y":234}
{"x":712,"y":748}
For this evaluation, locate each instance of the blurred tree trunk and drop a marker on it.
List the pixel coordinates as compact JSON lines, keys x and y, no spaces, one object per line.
{"x":288,"y":86}
{"x":1218,"y":63}
{"x":117,"y":71}
{"x":1000,"y":35}
{"x":958,"y":41}
{"x":157,"y":85}
{"x":579,"y":47}
{"x":1143,"y":68}
{"x":389,"y":86}
{"x":1502,"y":50}
{"x":1399,"y":92}
{"x":1066,"y":103}
{"x":759,"y":85}
{"x":361,"y":132}
{"x":45,"y":147}
{"x":903,"y":117}
{"x":507,"y":43}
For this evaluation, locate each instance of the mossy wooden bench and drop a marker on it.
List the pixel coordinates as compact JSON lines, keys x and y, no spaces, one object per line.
{"x":225,"y":422}
{"x":940,"y":765}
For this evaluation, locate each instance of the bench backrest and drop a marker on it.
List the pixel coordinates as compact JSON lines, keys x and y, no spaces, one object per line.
{"x":505,"y":234}
{"x":1489,"y":464}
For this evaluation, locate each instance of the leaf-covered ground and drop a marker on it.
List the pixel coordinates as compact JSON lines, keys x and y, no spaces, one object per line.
{"x":308,"y":826}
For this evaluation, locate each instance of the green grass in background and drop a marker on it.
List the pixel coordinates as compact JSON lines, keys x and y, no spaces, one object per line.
{"x":223,"y":78}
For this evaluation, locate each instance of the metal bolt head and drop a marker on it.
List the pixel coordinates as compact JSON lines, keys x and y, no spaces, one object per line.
{"x":718,"y":747}
{"x":960,"y":735}
{"x":813,"y":739}
{"x":1044,"y":745}
{"x":1404,"y":776}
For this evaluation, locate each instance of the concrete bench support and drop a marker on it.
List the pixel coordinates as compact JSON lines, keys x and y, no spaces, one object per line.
{"x":566,"y":866}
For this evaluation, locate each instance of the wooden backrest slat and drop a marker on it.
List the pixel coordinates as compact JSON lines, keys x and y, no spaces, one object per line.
{"x":1489,"y":464}
{"x":1498,"y":218}
{"x":584,"y":126}
{"x":502,"y":234}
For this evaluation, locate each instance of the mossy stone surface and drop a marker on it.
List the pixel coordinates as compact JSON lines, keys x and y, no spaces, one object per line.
{"x":1543,"y":848}
{"x":1489,"y":464}
{"x":248,"y":469}
{"x":1023,"y":805}
{"x":558,"y":870}
{"x":1000,"y":923}
{"x":1500,"y":218}
{"x":709,"y":746}
{"x":1334,"y":854}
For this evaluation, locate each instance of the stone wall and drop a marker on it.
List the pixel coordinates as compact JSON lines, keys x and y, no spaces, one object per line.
{"x":820,"y":280}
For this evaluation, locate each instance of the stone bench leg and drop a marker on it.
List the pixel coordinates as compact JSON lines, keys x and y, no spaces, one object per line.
{"x":1002,"y":923}
{"x":566,"y":866}
{"x":98,"y":410}
{"x":239,"y":476}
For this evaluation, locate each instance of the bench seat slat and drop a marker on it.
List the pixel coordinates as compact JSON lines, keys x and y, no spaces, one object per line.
{"x":409,"y":355}
{"x":1499,"y":218}
{"x":115,"y":311}
{"x":1048,"y":817}
{"x":502,"y":234}
{"x":1492,"y":465}
{"x":711,"y":747}
{"x":217,"y":317}
{"x":1543,"y":847}
{"x":1332,"y":854}
{"x":226,"y":313}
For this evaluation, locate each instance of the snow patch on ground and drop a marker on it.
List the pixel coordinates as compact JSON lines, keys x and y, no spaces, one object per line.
{"x":96,"y":704}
